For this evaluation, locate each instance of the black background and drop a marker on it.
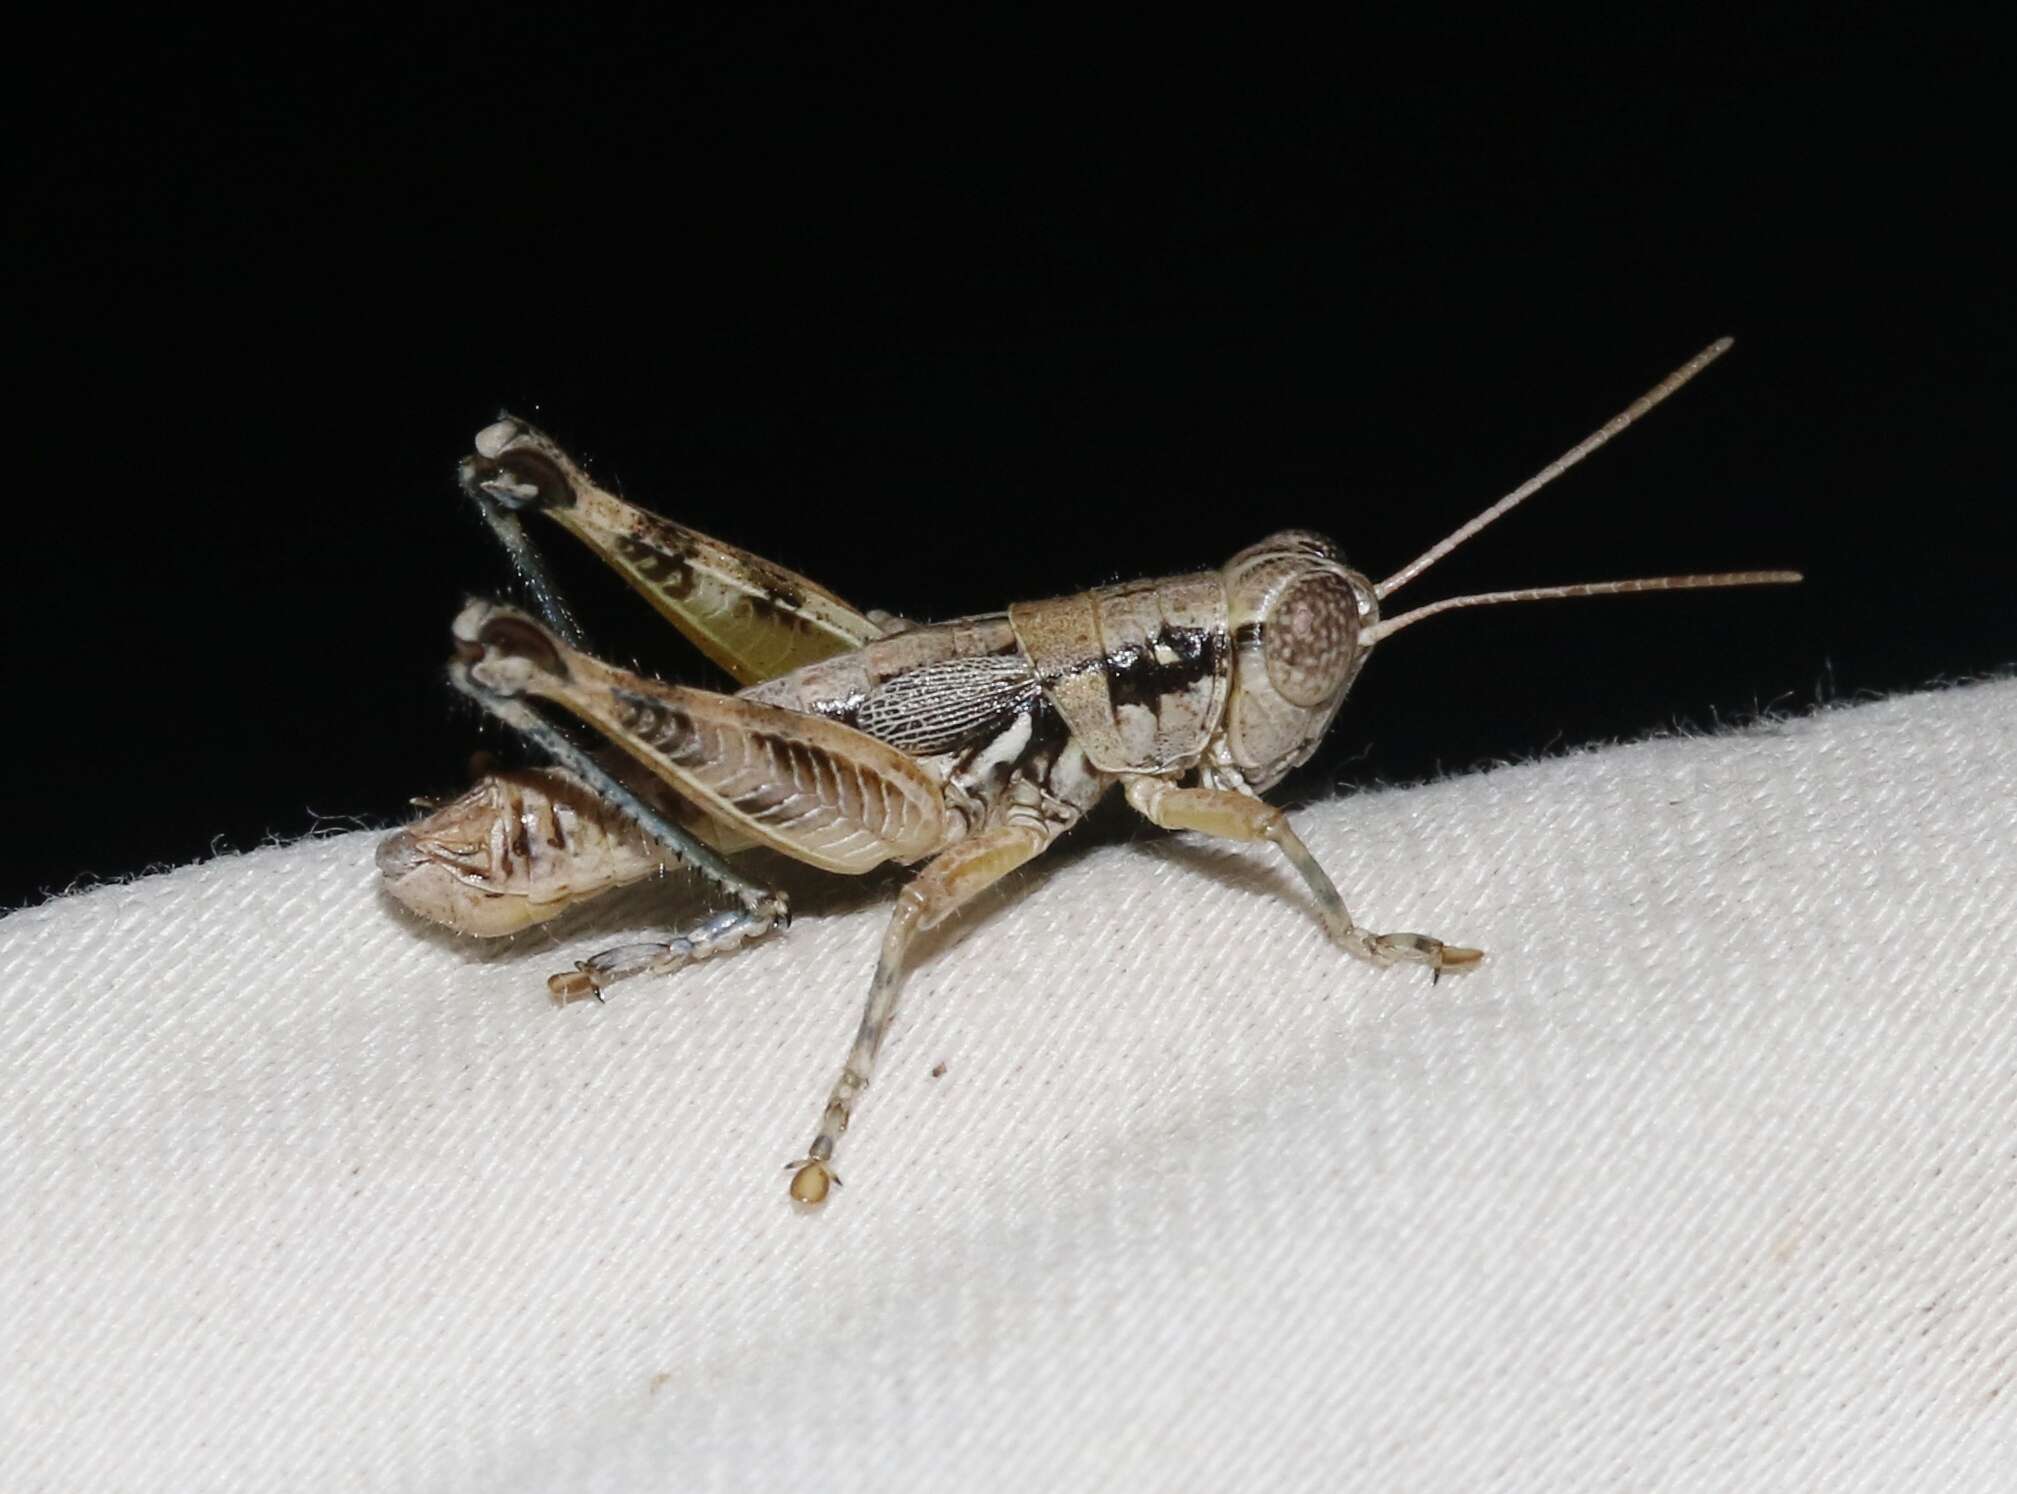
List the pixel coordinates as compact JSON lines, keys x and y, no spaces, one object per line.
{"x":948,"y":312}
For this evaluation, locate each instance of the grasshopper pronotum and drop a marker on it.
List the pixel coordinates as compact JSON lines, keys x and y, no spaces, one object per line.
{"x":858,"y":738}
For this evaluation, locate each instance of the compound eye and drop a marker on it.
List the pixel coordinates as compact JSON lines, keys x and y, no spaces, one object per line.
{"x":1312,"y":639}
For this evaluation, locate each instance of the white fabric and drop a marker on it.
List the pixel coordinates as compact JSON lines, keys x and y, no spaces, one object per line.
{"x":1706,"y":1179}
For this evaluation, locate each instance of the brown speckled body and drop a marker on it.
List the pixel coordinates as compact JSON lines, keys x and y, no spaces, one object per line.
{"x":859,"y":739}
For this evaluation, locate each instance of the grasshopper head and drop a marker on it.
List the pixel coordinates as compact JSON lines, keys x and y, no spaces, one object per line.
{"x":1297,"y":612}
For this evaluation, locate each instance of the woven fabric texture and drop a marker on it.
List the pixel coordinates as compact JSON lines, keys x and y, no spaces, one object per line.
{"x":1707,"y":1178}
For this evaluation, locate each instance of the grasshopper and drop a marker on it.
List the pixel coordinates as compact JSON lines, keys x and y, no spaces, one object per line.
{"x":858,"y":738}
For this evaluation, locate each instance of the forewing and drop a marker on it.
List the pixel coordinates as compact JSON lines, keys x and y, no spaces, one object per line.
{"x":944,"y":705}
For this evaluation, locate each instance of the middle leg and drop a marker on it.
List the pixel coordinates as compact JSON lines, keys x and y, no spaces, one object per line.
{"x":955,"y":876}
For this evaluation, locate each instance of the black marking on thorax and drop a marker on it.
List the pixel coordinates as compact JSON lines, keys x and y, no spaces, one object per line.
{"x":986,"y":769}
{"x":1140,"y":675}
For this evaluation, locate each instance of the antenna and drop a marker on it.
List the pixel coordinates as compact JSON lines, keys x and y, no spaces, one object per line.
{"x":1392,"y":625}
{"x":1533,"y":485}
{"x":1556,"y":468}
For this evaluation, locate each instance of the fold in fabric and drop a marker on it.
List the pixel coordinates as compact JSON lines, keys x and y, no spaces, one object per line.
{"x":1706,"y":1178}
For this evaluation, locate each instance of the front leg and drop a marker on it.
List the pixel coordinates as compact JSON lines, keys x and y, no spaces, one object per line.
{"x":1236,"y":816}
